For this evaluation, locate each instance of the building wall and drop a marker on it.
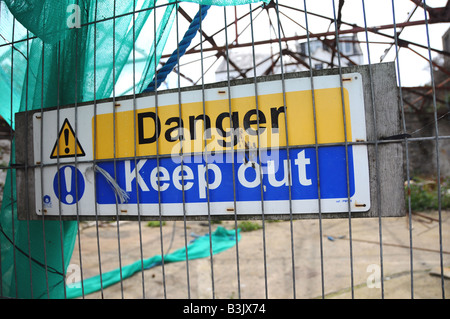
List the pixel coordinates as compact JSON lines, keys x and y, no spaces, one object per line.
{"x":423,"y":154}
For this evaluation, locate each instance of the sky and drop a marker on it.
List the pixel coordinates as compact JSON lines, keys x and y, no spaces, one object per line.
{"x":414,"y":70}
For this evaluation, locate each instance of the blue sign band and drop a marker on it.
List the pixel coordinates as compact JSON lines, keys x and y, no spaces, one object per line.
{"x":271,"y":168}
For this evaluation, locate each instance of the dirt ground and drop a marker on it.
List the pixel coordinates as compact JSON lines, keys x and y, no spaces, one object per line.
{"x":270,"y":262}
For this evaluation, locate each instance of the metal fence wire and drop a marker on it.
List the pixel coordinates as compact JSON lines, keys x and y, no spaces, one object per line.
{"x":225,"y":149}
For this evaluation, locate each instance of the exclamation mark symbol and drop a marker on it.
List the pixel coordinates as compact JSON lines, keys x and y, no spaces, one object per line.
{"x":66,"y":140}
{"x":67,"y":144}
{"x":68,"y":180}
{"x":68,"y":185}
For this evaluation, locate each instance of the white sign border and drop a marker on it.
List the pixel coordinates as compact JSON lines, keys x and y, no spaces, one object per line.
{"x":81,"y":120}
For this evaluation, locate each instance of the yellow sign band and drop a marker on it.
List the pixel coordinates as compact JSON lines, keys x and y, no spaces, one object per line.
{"x":148,"y":127}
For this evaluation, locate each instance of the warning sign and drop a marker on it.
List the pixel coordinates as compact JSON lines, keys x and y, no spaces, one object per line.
{"x":236,"y":147}
{"x":67,"y":144}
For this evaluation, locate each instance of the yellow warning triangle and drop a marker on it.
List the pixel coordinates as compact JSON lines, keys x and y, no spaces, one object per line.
{"x":67,"y":144}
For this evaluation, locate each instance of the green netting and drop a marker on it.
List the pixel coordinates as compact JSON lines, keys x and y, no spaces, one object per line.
{"x":35,"y":254}
{"x":225,"y":2}
{"x":221,"y":239}
{"x":62,"y":66}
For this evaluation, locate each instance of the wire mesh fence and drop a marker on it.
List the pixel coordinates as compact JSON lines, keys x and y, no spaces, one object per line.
{"x":232,"y":149}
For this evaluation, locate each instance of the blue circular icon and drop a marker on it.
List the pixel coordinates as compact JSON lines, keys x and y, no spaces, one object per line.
{"x":47,"y":199}
{"x":68,"y":185}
